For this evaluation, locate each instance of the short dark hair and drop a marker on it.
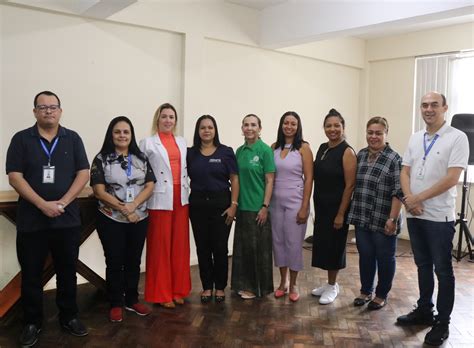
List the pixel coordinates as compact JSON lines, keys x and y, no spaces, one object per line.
{"x":108,"y":147}
{"x":48,"y":93}
{"x":335,"y":113}
{"x":298,"y":140}
{"x":444,"y":99}
{"x":378,"y":120}
{"x":197,"y":139}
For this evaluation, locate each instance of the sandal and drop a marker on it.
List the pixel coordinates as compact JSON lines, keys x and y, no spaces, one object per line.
{"x":280,"y":293}
{"x":179,"y":301}
{"x":247,"y":295}
{"x":294,"y":296}
{"x":206,"y":298}
{"x":219,"y":298}
{"x":360,"y":301}
{"x":373,"y":306}
{"x":169,"y":305}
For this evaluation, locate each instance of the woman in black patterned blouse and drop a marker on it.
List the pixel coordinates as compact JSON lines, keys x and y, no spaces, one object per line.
{"x":122,"y":180}
{"x":374,"y":212}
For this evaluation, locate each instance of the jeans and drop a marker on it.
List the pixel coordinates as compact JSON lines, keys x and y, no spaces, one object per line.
{"x":432,"y":243}
{"x":376,"y":254}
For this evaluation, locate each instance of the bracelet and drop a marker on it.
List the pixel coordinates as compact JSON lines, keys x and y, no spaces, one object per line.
{"x":235,"y":203}
{"x":394,"y":220}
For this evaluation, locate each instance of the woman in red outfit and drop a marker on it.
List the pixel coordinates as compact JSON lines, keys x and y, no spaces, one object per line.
{"x":168,"y":279}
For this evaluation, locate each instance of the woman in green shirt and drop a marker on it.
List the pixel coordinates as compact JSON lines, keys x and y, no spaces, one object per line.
{"x":252,"y":271}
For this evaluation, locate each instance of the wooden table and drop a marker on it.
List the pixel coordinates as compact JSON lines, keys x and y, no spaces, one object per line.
{"x":10,"y":294}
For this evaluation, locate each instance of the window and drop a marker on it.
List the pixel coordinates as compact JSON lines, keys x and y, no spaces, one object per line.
{"x":451,"y":74}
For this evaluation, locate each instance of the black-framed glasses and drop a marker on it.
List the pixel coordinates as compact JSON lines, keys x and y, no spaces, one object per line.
{"x":43,"y":108}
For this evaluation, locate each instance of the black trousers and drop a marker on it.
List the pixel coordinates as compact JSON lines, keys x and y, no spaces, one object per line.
{"x":123,"y":246}
{"x":32,"y":250}
{"x":211,"y":235}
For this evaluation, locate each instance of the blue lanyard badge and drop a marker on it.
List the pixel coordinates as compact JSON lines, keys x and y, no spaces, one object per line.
{"x":130,"y":192}
{"x":420,"y":171}
{"x":49,"y":153}
{"x":49,"y":170}
{"x":427,"y":150}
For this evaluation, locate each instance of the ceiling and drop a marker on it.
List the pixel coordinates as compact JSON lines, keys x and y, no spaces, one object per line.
{"x":257,"y":4}
{"x":285,"y":23}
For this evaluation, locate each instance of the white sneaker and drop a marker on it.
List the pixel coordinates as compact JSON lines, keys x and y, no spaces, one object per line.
{"x":330,"y":294}
{"x":319,"y":291}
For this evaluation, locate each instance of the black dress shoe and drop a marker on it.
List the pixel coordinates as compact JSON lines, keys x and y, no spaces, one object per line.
{"x":373,"y":306}
{"x":29,"y":335}
{"x":417,"y":316}
{"x":438,"y":334}
{"x":75,"y":328}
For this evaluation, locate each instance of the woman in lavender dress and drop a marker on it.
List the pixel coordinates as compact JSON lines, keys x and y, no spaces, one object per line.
{"x":290,"y":201}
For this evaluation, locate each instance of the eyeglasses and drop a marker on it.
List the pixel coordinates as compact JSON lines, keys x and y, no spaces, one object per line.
{"x":43,"y":108}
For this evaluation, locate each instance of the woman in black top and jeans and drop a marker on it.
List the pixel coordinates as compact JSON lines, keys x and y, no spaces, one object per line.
{"x":212,"y":168}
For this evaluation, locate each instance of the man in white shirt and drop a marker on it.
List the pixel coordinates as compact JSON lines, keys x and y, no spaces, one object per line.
{"x":432,"y":164}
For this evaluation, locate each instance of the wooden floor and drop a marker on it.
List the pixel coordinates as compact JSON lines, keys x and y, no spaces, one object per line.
{"x":266,"y":322}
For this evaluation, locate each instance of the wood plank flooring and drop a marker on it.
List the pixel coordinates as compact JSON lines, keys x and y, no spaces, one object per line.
{"x":267,"y":322}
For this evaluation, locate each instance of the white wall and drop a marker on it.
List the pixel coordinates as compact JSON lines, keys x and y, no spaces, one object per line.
{"x":203,"y":63}
{"x":348,"y":51}
{"x":217,"y":19}
{"x":99,"y":70}
{"x":242,"y":79}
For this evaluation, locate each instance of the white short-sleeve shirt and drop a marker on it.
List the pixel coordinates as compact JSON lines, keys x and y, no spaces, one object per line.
{"x":450,"y":150}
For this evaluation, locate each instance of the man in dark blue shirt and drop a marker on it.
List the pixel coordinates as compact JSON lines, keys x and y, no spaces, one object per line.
{"x":47,"y":165}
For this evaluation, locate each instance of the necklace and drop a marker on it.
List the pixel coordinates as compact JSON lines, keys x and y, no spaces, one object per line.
{"x":329,"y":148}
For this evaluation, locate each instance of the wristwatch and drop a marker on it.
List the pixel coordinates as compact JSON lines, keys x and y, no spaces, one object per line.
{"x":394,"y":220}
{"x":265,"y":205}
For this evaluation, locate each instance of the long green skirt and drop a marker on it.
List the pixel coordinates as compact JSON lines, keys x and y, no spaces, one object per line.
{"x":252,"y":267}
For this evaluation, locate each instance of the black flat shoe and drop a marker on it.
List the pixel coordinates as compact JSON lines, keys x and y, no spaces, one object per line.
{"x":219,"y":299}
{"x":75,"y":328}
{"x":373,"y":306}
{"x":360,"y":301}
{"x":206,"y":299}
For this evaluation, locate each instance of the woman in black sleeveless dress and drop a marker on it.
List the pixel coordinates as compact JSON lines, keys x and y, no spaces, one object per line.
{"x":334,"y":180}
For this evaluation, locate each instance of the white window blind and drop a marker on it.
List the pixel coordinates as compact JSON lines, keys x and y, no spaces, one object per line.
{"x":451,"y":74}
{"x":432,"y":74}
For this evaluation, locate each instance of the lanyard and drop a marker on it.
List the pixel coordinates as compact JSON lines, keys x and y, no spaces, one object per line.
{"x":427,"y":150}
{"x":129,"y":166}
{"x":49,"y":153}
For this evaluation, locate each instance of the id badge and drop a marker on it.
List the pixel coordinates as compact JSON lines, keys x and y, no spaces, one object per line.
{"x":130,"y":195}
{"x":48,"y":174}
{"x":420,"y":172}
